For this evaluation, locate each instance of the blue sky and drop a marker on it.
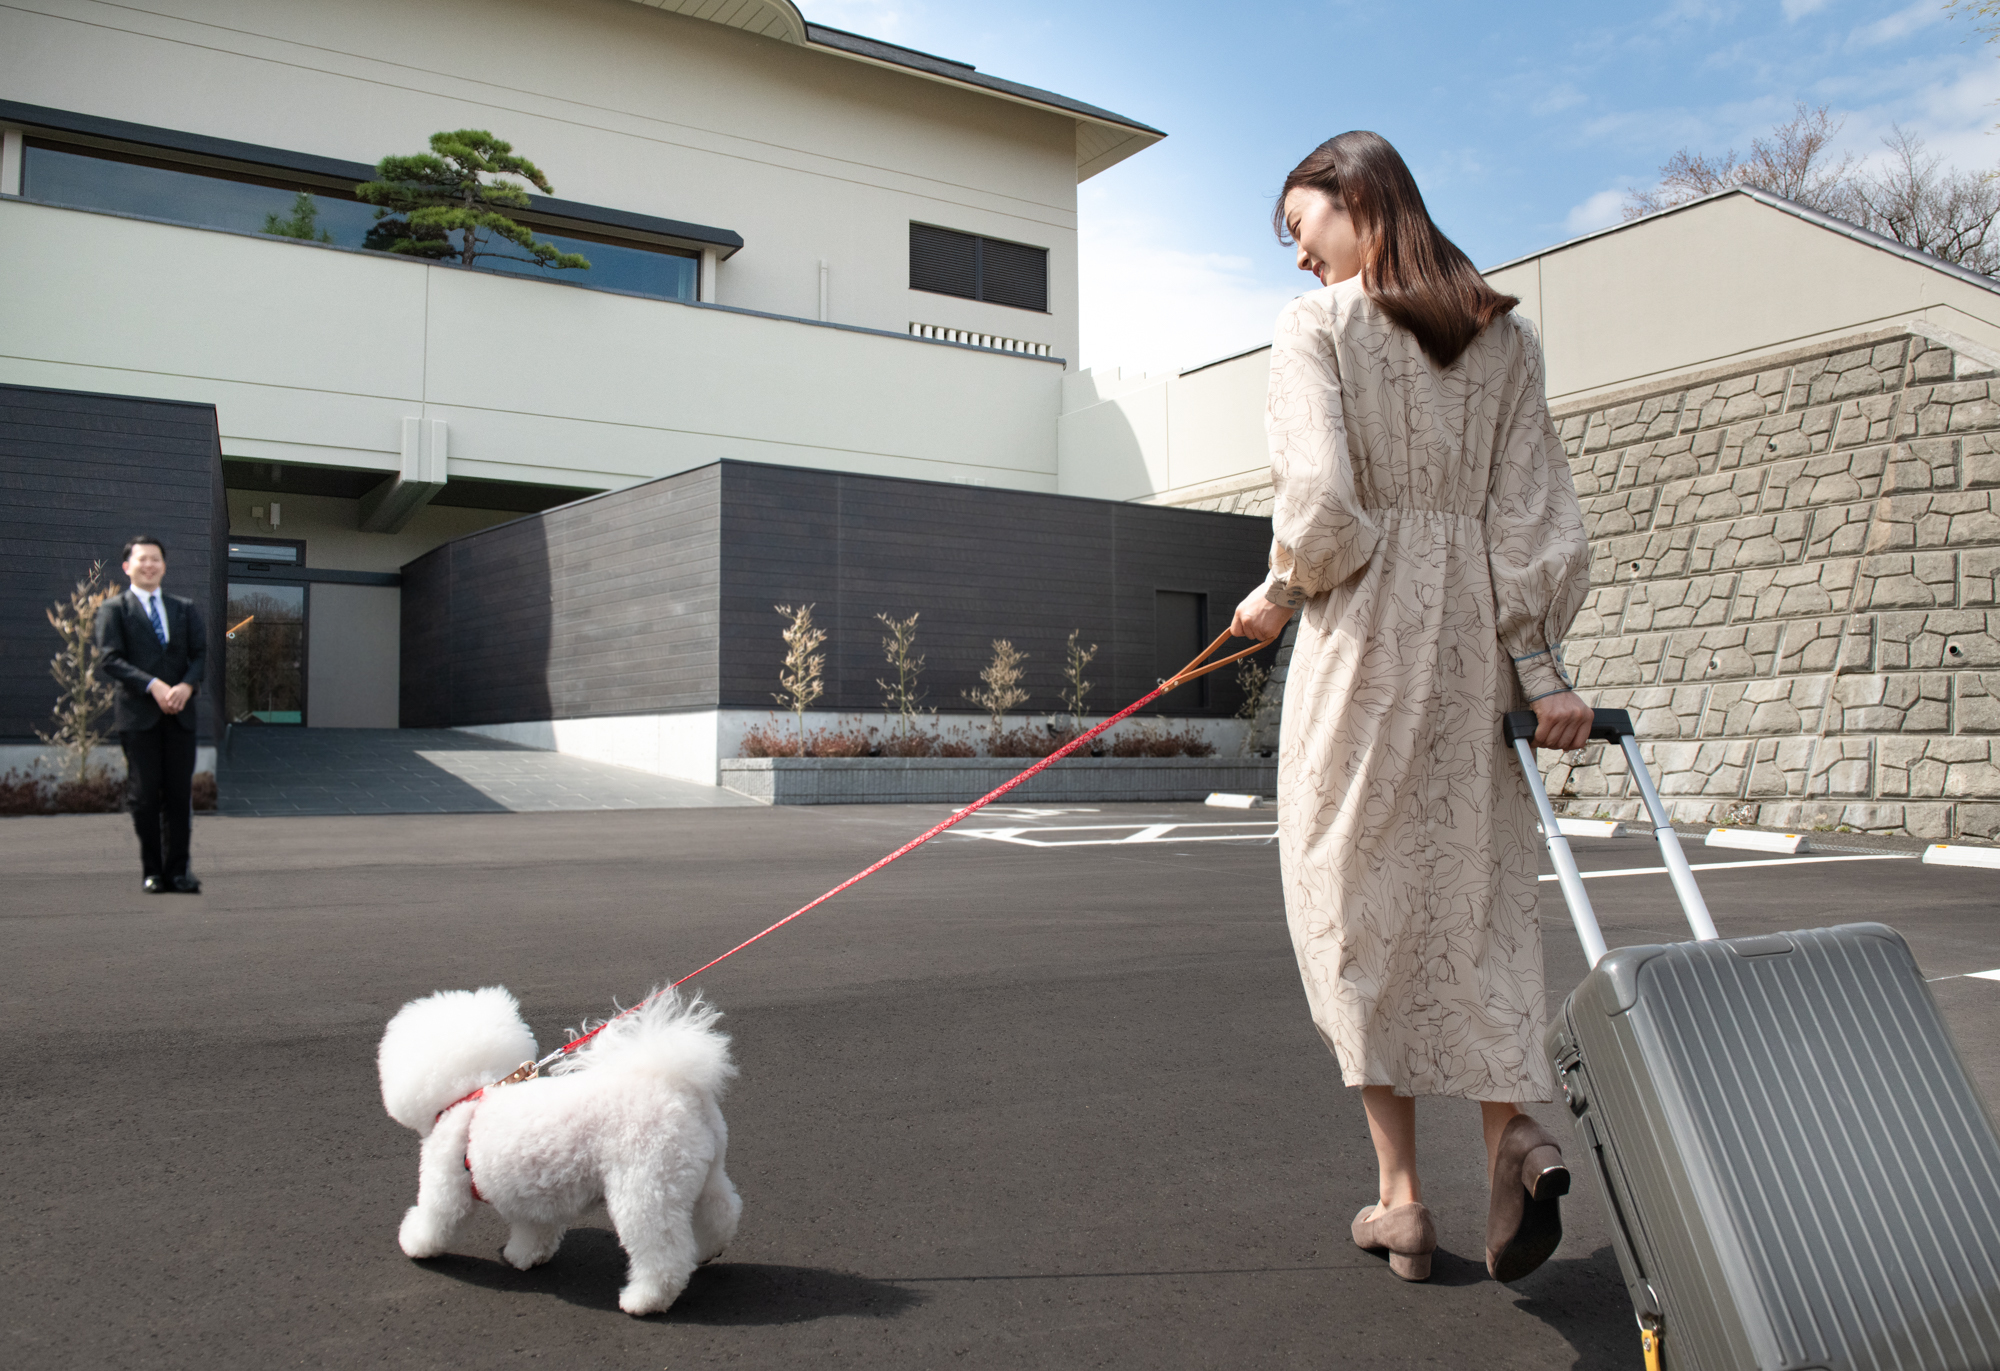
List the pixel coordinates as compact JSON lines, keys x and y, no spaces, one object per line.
{"x":1524,"y":123}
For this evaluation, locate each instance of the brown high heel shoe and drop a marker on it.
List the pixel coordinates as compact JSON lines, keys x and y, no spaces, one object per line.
{"x":1524,"y":1220}
{"x":1408,"y":1233}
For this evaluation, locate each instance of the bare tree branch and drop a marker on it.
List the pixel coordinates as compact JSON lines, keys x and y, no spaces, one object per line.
{"x":1913,"y":198}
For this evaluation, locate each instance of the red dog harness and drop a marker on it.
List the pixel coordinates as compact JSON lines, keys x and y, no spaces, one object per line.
{"x":525,"y":1071}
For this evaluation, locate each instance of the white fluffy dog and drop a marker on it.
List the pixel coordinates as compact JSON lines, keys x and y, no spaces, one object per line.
{"x":633,"y":1117}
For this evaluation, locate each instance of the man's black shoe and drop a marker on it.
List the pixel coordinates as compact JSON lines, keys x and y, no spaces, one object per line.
{"x":156,"y":885}
{"x":187,"y":885}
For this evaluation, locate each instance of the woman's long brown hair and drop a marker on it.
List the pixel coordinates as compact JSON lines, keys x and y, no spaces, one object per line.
{"x":1408,"y":267}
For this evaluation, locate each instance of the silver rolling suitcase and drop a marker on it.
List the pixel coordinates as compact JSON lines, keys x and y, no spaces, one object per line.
{"x":1797,"y":1171}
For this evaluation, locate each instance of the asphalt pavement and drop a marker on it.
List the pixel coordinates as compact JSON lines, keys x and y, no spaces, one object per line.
{"x":1048,"y":1098}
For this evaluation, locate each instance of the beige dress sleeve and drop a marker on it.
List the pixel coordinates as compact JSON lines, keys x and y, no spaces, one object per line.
{"x":1321,"y":533}
{"x":1535,"y":542}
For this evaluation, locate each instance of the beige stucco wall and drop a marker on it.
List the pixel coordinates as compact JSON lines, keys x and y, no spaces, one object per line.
{"x":810,"y":156}
{"x":1178,"y":438}
{"x":1716,"y":285}
{"x":316,"y":355}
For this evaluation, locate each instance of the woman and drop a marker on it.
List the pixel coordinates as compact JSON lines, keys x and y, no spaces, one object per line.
{"x":1426,"y":526}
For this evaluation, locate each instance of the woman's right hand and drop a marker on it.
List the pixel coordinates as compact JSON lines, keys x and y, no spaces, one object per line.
{"x":1259,"y":619}
{"x":1562,"y":722}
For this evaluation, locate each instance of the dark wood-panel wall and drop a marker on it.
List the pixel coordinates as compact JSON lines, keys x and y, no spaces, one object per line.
{"x":606,"y":606}
{"x":976,"y":564}
{"x":661,"y":597}
{"x":79,"y":474}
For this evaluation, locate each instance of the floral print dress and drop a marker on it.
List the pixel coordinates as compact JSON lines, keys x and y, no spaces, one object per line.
{"x":1428,"y":531}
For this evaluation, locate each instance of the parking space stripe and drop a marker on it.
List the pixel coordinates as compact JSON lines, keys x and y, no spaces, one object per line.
{"x":1737,"y":866}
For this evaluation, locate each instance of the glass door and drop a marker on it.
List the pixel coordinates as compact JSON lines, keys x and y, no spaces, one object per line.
{"x":266,"y":641}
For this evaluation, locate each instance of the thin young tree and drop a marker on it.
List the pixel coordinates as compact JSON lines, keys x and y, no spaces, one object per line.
{"x":900,"y":650}
{"x":81,"y":697}
{"x":1003,"y":689}
{"x":802,"y":677}
{"x":428,"y":197}
{"x":1076,"y":661}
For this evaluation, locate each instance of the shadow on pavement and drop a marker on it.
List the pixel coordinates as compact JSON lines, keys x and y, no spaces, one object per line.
{"x":590,"y":1268}
{"x":1583,"y":1299}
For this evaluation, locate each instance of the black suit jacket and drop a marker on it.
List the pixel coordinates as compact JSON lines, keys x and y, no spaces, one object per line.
{"x":134,"y":656}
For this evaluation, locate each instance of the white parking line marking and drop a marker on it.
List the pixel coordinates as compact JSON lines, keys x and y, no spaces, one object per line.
{"x":1733,"y":866}
{"x":1984,"y":975}
{"x":1140,"y":833}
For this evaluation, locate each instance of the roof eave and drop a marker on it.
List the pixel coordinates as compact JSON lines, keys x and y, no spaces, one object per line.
{"x":1777,"y":202}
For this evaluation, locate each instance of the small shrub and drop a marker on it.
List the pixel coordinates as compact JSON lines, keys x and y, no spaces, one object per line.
{"x":1158,"y":741}
{"x":957,"y":745}
{"x":21,"y":793}
{"x":1027,"y":741}
{"x":204,"y":792}
{"x":910,"y":745}
{"x":97,"y":793}
{"x":840,"y":742}
{"x":769,"y":740}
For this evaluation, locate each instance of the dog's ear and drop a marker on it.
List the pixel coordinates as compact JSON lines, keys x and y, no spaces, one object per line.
{"x":443,"y":1047}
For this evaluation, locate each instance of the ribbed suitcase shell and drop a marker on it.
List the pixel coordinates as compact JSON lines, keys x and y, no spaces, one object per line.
{"x":1798,"y":1171}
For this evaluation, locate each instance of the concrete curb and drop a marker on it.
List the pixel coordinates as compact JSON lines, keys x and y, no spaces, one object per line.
{"x":959,"y":780}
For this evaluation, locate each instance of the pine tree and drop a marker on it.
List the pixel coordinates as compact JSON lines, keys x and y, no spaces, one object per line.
{"x":302,"y":223}
{"x":427,"y":198}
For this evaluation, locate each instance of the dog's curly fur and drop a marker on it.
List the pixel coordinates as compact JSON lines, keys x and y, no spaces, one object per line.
{"x":633,"y":1117}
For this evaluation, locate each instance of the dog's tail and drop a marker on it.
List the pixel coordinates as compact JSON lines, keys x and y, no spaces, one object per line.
{"x":668,"y":1037}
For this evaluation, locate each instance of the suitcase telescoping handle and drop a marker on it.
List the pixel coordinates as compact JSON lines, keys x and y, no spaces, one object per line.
{"x":1611,"y":726}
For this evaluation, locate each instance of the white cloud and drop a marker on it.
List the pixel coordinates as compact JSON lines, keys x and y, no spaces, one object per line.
{"x":1799,"y":9}
{"x":1601,"y":210}
{"x":1898,"y":25}
{"x":1557,"y":98}
{"x":1151,"y":306}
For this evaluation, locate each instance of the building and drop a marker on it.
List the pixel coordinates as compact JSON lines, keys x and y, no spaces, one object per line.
{"x":809,"y":249}
{"x":1786,"y":435}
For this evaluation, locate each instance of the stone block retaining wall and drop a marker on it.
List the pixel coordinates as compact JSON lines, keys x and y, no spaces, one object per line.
{"x":960,"y":780}
{"x":1796,"y":589}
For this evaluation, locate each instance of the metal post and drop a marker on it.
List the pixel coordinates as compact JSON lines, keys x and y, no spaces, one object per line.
{"x":1580,"y":912}
{"x":1678,"y":870}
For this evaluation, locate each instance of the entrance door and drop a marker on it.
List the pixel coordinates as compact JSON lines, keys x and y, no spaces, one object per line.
{"x":267,"y":654}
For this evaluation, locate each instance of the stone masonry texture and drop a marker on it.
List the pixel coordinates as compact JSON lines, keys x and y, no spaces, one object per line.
{"x":1795,"y":588}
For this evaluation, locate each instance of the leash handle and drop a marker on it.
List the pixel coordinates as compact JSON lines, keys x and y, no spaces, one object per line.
{"x":1187,"y":673}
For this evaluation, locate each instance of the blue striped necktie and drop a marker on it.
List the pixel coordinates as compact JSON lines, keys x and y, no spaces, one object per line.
{"x":153,"y":613}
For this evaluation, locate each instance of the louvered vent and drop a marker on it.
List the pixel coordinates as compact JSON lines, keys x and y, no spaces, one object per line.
{"x":948,"y":262}
{"x":943,"y":261}
{"x":1013,"y":274}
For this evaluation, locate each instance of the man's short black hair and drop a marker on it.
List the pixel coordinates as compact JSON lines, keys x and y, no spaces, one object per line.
{"x":131,"y":543}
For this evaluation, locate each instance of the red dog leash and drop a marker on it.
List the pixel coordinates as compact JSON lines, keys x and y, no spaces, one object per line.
{"x":1187,"y":673}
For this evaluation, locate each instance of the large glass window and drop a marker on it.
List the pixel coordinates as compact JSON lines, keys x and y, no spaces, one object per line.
{"x":266,"y":204}
{"x":265,"y":641}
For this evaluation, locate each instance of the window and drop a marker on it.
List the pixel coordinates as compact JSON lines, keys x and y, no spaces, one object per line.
{"x":1180,"y":632}
{"x":948,"y":262}
{"x":250,"y":202}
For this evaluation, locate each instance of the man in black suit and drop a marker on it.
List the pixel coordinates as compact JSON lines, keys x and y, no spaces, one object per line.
{"x":155,"y":652}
